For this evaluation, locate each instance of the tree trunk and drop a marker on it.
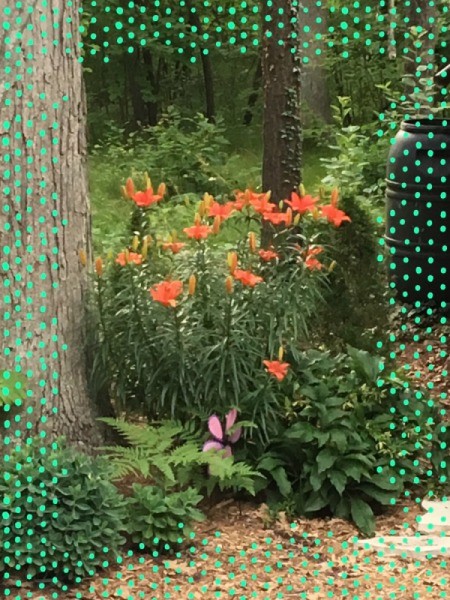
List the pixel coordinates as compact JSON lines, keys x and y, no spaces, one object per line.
{"x":45,"y":218}
{"x":208,"y":73}
{"x":282,"y":83}
{"x":253,"y":96}
{"x":314,"y":75}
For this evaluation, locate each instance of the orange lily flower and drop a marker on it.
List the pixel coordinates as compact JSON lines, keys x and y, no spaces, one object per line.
{"x":301,"y":204}
{"x":198,"y":232}
{"x":146,"y":198}
{"x":267,"y":255}
{"x":334,"y":215}
{"x":223,"y":211}
{"x":247,"y":277}
{"x":276,"y":368}
{"x":262,"y":204}
{"x":276,"y":218}
{"x":167,"y":292}
{"x":124,"y":258}
{"x":174,"y":247}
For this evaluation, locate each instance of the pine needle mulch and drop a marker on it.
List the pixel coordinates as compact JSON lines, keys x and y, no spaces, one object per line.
{"x":236,"y":553}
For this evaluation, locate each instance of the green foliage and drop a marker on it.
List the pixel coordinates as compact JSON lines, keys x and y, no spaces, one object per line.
{"x":358,"y":165}
{"x":62,"y":518}
{"x":353,"y":440}
{"x":170,"y":457}
{"x":357,"y":307}
{"x":159,"y":520}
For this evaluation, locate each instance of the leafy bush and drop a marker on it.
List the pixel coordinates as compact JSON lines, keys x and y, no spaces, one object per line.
{"x":357,"y":309}
{"x":161,"y":520}
{"x":62,"y":518}
{"x":204,"y":350}
{"x":353,"y":441}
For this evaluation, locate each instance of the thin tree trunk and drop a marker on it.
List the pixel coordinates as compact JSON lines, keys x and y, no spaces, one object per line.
{"x":45,"y":218}
{"x":282,"y":84}
{"x":314,"y":75}
{"x":208,"y":73}
{"x":253,"y":96}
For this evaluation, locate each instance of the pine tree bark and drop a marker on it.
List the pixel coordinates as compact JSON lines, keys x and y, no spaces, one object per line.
{"x":45,"y":217}
{"x":281,"y":62}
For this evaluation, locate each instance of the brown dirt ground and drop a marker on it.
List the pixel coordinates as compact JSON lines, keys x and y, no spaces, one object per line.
{"x":241,"y":554}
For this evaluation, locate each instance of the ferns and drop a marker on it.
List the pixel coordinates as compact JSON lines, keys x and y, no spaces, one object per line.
{"x":172,"y":457}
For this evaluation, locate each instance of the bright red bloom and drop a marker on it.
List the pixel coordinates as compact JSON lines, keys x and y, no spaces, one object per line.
{"x":221,"y":210}
{"x":276,"y":368}
{"x":174,"y":247}
{"x":248,"y":197}
{"x":276,"y":218}
{"x":301,"y":204}
{"x":146,"y":198}
{"x":247,"y":277}
{"x":124,"y":258}
{"x":334,"y":215}
{"x":166,"y":292}
{"x":313,"y":264}
{"x":268,"y":255}
{"x":198,"y":232}
{"x":262,"y":204}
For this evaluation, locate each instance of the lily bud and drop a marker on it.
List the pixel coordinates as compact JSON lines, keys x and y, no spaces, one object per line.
{"x":315,"y":213}
{"x":216,"y":225}
{"x":129,"y":187}
{"x":280,"y":353}
{"x":280,"y":205}
{"x":302,"y":190}
{"x":145,"y":244}
{"x":148,"y":181}
{"x":162,"y":189}
{"x":110,"y":255}
{"x":297,"y":219}
{"x":252,"y":241}
{"x":99,"y":266}
{"x":322,"y":193}
{"x":135,"y":243}
{"x":232,"y":260}
{"x":124,"y":192}
{"x":127,"y":255}
{"x":197,"y":219}
{"x":332,"y":266}
{"x":192,"y":285}
{"x":289,"y":217}
{"x":229,"y":284}
{"x":208,"y":200}
{"x":83,"y":257}
{"x":202,"y":208}
{"x":335,"y":197}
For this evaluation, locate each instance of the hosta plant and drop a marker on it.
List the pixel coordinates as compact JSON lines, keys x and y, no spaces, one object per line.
{"x":61,"y":517}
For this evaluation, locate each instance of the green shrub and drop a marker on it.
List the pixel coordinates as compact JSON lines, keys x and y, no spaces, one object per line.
{"x":61,"y":517}
{"x":161,"y":520}
{"x":357,"y":305}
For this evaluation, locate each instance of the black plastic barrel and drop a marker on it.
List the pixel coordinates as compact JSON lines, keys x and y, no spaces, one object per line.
{"x":418,"y":212}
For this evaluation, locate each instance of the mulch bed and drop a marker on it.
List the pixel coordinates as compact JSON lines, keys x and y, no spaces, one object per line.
{"x":239,"y":553}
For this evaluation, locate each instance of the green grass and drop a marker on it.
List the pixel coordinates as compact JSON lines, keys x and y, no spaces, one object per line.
{"x":110,"y":211}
